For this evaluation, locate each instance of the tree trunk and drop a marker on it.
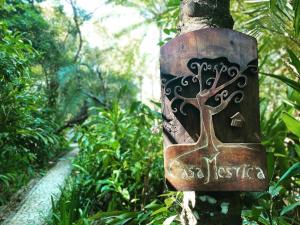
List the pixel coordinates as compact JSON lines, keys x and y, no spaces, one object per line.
{"x":207,"y":130}
{"x":197,"y":14}
{"x":208,"y":208}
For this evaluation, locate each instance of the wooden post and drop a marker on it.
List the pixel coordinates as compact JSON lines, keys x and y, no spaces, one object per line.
{"x":194,"y":16}
{"x":211,"y":115}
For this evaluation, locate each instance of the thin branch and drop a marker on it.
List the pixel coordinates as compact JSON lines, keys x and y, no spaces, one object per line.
{"x":95,"y":98}
{"x":191,"y":101}
{"x":199,"y":67}
{"x":88,"y":67}
{"x":103,"y":84}
{"x":165,"y":84}
{"x":231,"y":71}
{"x":77,"y":25}
{"x":218,"y":75}
{"x":78,"y":119}
{"x":224,"y":103}
{"x":99,"y":73}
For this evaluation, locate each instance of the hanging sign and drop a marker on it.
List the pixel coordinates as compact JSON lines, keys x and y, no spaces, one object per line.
{"x":210,"y":109}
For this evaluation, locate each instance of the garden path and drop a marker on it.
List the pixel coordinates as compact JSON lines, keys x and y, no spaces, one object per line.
{"x":37,"y":205}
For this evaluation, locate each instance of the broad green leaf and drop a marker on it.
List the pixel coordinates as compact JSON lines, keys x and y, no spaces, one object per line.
{"x":273,"y":6}
{"x":293,"y":84}
{"x":169,"y":201}
{"x":161,"y":210}
{"x":263,"y":220}
{"x":123,"y":221}
{"x":294,"y":98}
{"x":107,"y":214}
{"x":294,"y":59}
{"x":44,"y":139}
{"x":289,"y":208}
{"x":106,"y":188}
{"x":152,"y":205}
{"x":293,"y":170}
{"x":282,"y":221}
{"x":80,"y":168}
{"x":166,"y":31}
{"x":296,"y":6}
{"x":254,"y":213}
{"x":4,"y":179}
{"x":173,"y":3}
{"x":292,"y":124}
{"x":274,"y":190}
{"x":297,"y":148}
{"x":247,"y":213}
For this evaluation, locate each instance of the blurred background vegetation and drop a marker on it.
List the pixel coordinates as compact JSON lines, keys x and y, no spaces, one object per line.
{"x":57,"y":85}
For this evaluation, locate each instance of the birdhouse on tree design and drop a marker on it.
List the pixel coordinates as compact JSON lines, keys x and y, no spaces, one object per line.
{"x":210,"y":77}
{"x":237,"y":120}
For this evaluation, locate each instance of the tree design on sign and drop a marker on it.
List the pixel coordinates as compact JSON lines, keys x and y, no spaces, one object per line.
{"x":212,"y":87}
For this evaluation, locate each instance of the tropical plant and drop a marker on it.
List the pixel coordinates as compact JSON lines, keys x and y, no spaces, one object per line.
{"x":27,"y":130}
{"x":276,"y":26}
{"x":120,"y":164}
{"x":49,"y":74}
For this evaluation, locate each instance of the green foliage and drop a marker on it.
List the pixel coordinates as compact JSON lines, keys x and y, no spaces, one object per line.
{"x":118,"y":172}
{"x":27,"y":131}
{"x":114,"y":194}
{"x":118,"y":175}
{"x":277,"y":204}
{"x":280,"y":129}
{"x":28,"y":20}
{"x":77,"y":83}
{"x":273,"y":23}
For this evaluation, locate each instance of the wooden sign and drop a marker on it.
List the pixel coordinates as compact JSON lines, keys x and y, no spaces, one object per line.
{"x":210,"y":110}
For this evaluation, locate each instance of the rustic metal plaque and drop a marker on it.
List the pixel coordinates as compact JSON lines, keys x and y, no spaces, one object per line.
{"x":210,"y":111}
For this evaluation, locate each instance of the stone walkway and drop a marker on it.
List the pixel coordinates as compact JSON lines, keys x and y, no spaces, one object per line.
{"x":37,"y":205}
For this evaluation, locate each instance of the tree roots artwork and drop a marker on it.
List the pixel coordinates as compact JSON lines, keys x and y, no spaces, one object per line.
{"x":213,"y":85}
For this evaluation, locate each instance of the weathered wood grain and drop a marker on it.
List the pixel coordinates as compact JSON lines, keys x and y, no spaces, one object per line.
{"x":211,"y":134}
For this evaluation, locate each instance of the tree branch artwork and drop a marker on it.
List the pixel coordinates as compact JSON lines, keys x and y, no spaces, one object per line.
{"x":212,"y":87}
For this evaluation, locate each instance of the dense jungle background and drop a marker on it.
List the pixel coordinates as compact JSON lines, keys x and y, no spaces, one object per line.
{"x":58,"y":87}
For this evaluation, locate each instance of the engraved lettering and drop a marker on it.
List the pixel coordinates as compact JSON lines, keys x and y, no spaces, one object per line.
{"x":221,"y":170}
{"x":212,"y":170}
{"x":260,"y":174}
{"x":208,"y":162}
{"x":249,"y":169}
{"x":199,"y":173}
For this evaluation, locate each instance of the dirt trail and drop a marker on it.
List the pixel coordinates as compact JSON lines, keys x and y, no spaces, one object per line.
{"x":37,"y":205}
